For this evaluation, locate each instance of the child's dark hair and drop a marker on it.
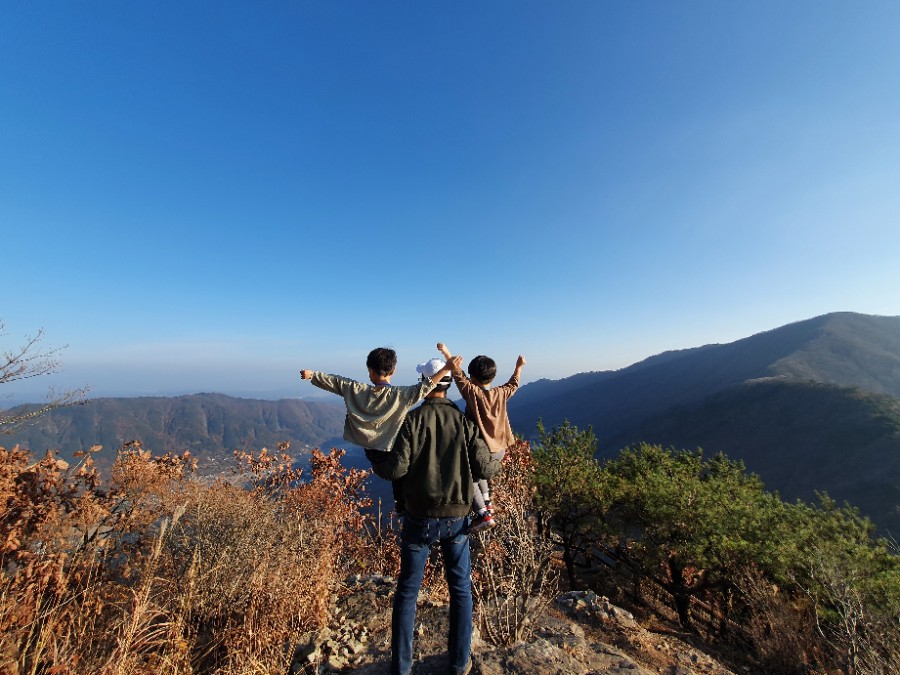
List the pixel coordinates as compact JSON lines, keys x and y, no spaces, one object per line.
{"x":382,"y":361}
{"x":483,"y":369}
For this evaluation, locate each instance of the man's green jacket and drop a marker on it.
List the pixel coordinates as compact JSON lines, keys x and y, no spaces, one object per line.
{"x":438,"y":454}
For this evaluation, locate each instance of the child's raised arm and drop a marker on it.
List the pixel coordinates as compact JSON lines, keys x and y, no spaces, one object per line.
{"x":452,"y":362}
{"x":519,"y":363}
{"x":445,"y":351}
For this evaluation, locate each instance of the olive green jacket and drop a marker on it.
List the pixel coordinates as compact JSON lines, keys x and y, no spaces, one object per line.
{"x":374,"y":412}
{"x":438,"y":454}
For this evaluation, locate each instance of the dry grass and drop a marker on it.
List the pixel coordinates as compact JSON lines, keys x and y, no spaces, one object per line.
{"x":159,"y":572}
{"x":156,"y":571}
{"x":781,"y":627}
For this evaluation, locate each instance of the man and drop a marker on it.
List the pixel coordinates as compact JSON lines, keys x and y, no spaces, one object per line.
{"x":439,"y":454}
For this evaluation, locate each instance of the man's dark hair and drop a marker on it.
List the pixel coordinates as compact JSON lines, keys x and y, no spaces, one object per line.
{"x":382,"y":361}
{"x":444,"y":386}
{"x":440,"y":385}
{"x":483,"y":369}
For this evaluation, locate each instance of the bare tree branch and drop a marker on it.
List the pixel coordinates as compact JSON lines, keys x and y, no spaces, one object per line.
{"x":27,"y":361}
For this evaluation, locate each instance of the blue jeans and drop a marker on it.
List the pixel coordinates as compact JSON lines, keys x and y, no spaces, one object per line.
{"x":416,"y":539}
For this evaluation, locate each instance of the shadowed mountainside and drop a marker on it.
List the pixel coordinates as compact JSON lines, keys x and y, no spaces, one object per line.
{"x":799,"y":437}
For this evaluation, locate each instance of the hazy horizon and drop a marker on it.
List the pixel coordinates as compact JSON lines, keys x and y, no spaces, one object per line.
{"x":297,"y":389}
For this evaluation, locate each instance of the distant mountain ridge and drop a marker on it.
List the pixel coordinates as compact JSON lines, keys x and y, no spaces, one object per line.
{"x":813,"y":405}
{"x":210,"y":426}
{"x":843,"y":349}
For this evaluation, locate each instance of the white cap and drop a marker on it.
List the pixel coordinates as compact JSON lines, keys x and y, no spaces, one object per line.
{"x":429,"y":368}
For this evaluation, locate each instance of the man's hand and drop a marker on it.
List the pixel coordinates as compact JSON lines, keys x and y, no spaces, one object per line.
{"x":520,"y":361}
{"x":306,"y":374}
{"x":455,"y":362}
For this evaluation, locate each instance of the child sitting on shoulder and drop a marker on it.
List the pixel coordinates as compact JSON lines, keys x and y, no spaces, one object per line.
{"x":487,"y":408}
{"x":375,"y":411}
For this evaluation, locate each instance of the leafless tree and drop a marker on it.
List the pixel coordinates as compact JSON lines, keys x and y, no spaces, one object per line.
{"x":863,"y":635}
{"x":30,"y":360}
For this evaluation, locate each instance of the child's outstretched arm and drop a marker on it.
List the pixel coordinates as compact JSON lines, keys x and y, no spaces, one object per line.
{"x":333,"y":383}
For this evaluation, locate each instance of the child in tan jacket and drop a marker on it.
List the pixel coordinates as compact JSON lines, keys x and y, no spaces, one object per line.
{"x":487,"y":408}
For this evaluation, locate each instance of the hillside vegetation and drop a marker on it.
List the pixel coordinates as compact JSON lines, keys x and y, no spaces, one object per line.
{"x":155,"y":571}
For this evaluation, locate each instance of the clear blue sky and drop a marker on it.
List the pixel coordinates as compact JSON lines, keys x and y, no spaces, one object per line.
{"x":210,"y":196}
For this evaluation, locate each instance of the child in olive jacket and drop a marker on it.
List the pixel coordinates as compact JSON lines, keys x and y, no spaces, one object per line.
{"x":375,"y":411}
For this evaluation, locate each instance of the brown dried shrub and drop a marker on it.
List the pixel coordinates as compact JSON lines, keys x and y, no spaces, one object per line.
{"x":513,"y":576}
{"x":161,"y":572}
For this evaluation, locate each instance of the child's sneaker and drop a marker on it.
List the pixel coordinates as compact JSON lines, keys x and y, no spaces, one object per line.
{"x":485,"y":521}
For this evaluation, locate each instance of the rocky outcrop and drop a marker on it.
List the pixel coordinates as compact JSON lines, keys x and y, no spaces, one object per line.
{"x":581,"y":634}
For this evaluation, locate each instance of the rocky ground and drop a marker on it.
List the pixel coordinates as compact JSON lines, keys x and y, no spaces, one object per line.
{"x":579,"y":633}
